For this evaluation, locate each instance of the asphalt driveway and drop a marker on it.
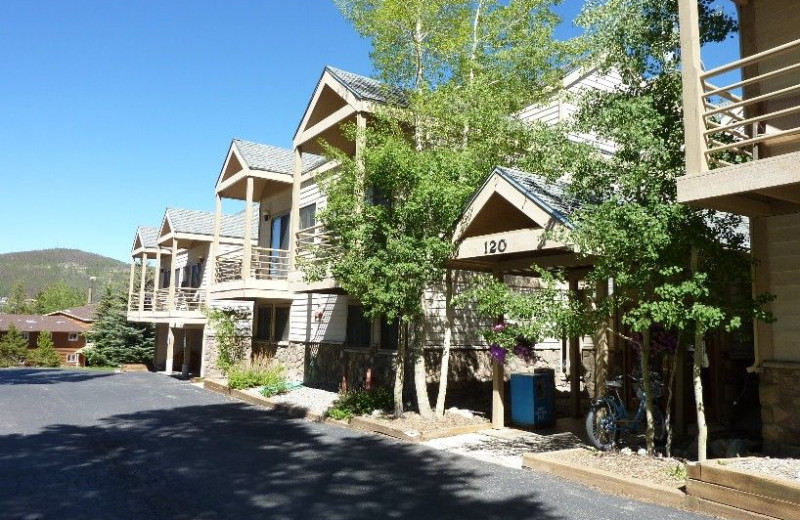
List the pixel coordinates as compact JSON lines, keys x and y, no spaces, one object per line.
{"x":87,"y":445}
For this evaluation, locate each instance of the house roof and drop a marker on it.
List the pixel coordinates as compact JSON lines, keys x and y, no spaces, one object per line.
{"x":550,"y":195}
{"x":38,"y":323}
{"x":198,"y":222}
{"x":272,"y":158}
{"x":148,"y":235}
{"x":85,"y":313}
{"x":364,"y":87}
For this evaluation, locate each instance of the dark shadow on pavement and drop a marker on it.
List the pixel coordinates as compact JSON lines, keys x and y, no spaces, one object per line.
{"x":47,"y":376}
{"x":234,"y":461}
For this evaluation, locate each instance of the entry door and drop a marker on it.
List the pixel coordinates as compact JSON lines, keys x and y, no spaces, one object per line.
{"x":279,"y":239}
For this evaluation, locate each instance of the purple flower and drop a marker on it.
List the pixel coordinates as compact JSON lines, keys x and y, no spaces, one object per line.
{"x":500,"y":327}
{"x":497,"y":352}
{"x":523,"y":351}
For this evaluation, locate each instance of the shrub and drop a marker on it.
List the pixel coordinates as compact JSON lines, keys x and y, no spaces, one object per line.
{"x":250,"y":376}
{"x":44,"y":355}
{"x":361,"y":402}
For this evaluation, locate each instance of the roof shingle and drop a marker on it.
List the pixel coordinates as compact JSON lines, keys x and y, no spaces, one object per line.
{"x":265,"y":157}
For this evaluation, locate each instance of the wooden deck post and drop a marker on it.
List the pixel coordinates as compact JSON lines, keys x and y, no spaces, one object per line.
{"x":211,"y":269}
{"x":170,"y":347}
{"x":156,"y":278}
{"x":574,"y":358}
{"x":294,"y":216}
{"x":247,"y":250}
{"x":693,"y":108}
{"x":130,"y":283}
{"x":173,"y":275}
{"x":498,"y":381}
{"x":142,"y":280}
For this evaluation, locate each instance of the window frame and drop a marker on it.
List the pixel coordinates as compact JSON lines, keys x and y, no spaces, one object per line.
{"x":73,"y":336}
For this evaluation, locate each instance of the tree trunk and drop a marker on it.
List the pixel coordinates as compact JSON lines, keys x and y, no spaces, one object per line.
{"x":448,"y":334}
{"x":647,"y":386}
{"x":400,"y":369}
{"x":702,"y":429}
{"x":670,"y":385}
{"x":420,"y":372}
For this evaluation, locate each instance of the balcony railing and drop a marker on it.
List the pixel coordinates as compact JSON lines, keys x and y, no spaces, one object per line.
{"x":313,"y":243}
{"x":189,"y":298}
{"x":739,"y":127}
{"x":146,"y":297}
{"x":265,"y":264}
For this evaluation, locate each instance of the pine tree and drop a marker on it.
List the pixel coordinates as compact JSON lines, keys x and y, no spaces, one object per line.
{"x":18,"y":301}
{"x":44,"y":355}
{"x":115,"y":339}
{"x":13,"y":348}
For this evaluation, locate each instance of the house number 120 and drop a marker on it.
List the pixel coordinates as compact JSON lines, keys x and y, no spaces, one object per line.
{"x":494,"y":246}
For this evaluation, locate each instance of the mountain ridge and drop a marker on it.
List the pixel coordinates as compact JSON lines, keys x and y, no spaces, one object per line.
{"x":41,"y":268}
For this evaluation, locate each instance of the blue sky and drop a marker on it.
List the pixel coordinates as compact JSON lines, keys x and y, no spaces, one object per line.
{"x":114,"y":110}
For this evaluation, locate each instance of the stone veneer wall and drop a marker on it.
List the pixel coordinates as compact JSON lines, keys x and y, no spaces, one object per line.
{"x":212,"y":371}
{"x":325,"y":365}
{"x":780,"y":407}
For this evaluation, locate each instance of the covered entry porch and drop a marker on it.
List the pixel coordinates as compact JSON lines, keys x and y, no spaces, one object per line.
{"x":510,"y":228}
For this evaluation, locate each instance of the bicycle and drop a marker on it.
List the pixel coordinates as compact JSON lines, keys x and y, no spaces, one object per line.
{"x":609,"y":419}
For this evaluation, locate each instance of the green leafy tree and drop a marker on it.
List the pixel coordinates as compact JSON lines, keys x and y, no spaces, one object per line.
{"x":231,"y":342}
{"x":59,"y":296}
{"x":18,"y":302}
{"x":114,"y":339}
{"x":463,"y":68}
{"x":44,"y":355}
{"x":13,"y":347}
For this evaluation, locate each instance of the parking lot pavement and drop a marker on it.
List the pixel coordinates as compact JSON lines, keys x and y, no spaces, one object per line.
{"x":83,"y":445}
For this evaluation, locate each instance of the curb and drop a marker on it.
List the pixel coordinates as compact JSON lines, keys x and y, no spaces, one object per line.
{"x":608,"y":482}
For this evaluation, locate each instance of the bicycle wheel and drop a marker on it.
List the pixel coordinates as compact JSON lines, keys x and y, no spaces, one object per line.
{"x":601,"y":426}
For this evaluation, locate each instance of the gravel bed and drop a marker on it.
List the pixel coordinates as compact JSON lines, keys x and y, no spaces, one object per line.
{"x":413,"y":422}
{"x":655,"y":470}
{"x":780,"y":468}
{"x":312,"y":399}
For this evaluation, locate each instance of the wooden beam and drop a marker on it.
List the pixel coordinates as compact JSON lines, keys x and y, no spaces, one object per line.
{"x":507,"y":242}
{"x":294,"y":215}
{"x":329,"y":121}
{"x":789,"y":194}
{"x":141,"y":282}
{"x":248,"y":224}
{"x":692,"y":88}
{"x":130,"y":282}
{"x":498,"y":381}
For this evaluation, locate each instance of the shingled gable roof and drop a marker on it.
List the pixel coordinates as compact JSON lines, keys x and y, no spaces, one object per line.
{"x":38,"y":323}
{"x":146,"y":236}
{"x":268,"y":158}
{"x":549,"y":195}
{"x":84,"y":313}
{"x":198,"y":222}
{"x":364,"y":87}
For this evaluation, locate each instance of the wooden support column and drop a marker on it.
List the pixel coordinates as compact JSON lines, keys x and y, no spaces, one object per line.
{"x":157,"y":277}
{"x":173,"y":275}
{"x":142,"y":277}
{"x":170,"y":347}
{"x":294,"y":215}
{"x":601,"y":344}
{"x":498,"y":382}
{"x":130,"y":283}
{"x":214,"y":251}
{"x":247,"y":250}
{"x":186,"y":354}
{"x":574,"y":358}
{"x":692,"y":89}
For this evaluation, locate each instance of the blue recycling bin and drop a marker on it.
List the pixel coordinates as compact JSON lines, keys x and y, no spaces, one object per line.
{"x":533,"y":399}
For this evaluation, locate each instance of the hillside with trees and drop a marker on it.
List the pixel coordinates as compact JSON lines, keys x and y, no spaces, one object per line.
{"x":36,"y":271}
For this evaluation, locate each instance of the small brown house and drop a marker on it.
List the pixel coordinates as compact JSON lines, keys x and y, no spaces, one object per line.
{"x":67,"y":327}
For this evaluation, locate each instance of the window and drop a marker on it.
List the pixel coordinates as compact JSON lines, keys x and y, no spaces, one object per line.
{"x":308,"y":216}
{"x":72,"y":358}
{"x":282,"y":323}
{"x":177,"y":277}
{"x":272,"y":323}
{"x":390,"y":334}
{"x":264,"y":323}
{"x":73,"y":336}
{"x":164,"y":278}
{"x":187,"y":276}
{"x":195,"y":276}
{"x":279,"y":235}
{"x":359,"y":327}
{"x":25,"y":335}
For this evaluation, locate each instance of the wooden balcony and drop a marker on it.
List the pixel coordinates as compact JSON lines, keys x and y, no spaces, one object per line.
{"x":188,"y":303}
{"x":749,"y":146}
{"x":312,"y":245}
{"x":265,"y":264}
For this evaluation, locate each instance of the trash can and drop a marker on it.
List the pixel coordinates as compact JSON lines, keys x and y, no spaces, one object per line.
{"x":533,"y":399}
